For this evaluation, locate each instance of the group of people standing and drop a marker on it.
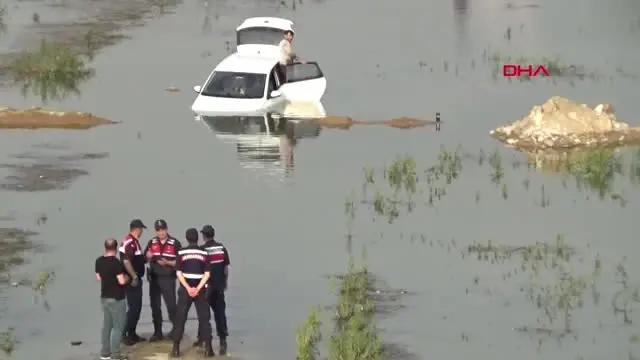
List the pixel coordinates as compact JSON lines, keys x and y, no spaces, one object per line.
{"x":202,"y":272}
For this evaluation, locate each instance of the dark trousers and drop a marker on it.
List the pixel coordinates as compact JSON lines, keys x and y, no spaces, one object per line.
{"x":134,"y":307}
{"x":202,"y":309}
{"x":162,"y":287}
{"x":218,"y":307}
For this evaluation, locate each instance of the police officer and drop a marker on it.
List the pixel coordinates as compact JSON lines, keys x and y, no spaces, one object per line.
{"x":218,"y":258}
{"x":161,"y":252}
{"x":192,"y":271}
{"x":134,"y":261}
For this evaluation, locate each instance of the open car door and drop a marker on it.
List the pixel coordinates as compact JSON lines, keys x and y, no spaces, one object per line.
{"x":305,"y":82}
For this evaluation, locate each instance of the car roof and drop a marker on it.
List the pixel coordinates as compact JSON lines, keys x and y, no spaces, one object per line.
{"x":271,"y":22}
{"x":249,"y":64}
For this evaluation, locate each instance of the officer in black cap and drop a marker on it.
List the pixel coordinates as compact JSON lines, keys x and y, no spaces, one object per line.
{"x":161,"y":252}
{"x":133,"y":260}
{"x":218,"y":258}
{"x":192,"y":271}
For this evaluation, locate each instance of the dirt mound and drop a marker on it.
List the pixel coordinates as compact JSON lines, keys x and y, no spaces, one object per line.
{"x":562,"y":123}
{"x":37,"y":118}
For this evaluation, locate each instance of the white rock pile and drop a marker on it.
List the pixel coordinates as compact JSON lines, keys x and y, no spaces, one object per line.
{"x":562,"y":123}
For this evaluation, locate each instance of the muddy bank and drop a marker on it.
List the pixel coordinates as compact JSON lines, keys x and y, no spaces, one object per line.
{"x":37,"y":118}
{"x":161,"y":350}
{"x":561,"y":123}
{"x":345,"y":122}
{"x":13,"y":243}
{"x":38,"y":171}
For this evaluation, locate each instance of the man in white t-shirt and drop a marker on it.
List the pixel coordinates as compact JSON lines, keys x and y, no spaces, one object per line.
{"x":287,"y":56}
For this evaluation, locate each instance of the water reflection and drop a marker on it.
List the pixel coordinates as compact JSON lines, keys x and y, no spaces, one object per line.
{"x":266,"y":142}
{"x":595,"y":170}
{"x":461,"y":18}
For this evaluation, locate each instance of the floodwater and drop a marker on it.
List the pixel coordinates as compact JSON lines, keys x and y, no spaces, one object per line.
{"x":285,"y":229}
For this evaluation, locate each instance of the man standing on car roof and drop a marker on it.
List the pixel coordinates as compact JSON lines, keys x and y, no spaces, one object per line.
{"x":161,"y":252}
{"x":134,"y":261}
{"x":218,"y":258}
{"x":192,"y":271}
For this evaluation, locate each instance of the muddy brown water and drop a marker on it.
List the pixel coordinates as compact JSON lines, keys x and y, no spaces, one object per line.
{"x":285,"y":236}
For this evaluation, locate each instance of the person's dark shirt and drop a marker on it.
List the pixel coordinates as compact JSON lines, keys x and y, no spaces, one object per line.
{"x":132,"y":251}
{"x":109,"y":267}
{"x":218,"y":259}
{"x":192,"y":262}
{"x":168,"y":251}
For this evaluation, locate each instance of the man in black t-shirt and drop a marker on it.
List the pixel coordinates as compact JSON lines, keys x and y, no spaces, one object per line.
{"x":111,"y":274}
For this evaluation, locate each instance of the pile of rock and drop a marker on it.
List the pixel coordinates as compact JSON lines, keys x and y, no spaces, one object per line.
{"x":561,"y":123}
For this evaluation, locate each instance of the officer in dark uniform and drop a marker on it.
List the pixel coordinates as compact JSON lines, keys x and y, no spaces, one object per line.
{"x":134,"y":261}
{"x":192,"y":271}
{"x":218,"y":258}
{"x":161,"y":252}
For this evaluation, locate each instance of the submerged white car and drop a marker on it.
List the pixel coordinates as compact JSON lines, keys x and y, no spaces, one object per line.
{"x":249,"y":81}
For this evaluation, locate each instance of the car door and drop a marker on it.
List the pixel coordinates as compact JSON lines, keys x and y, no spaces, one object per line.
{"x":274,"y":103}
{"x":304,"y":82}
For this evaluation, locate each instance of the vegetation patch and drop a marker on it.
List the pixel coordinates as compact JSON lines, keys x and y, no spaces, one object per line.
{"x":54,"y":71}
{"x":13,"y":242}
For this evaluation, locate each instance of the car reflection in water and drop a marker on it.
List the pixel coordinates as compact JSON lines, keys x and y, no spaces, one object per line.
{"x":264,"y":142}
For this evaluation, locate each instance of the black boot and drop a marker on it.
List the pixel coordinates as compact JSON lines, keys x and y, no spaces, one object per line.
{"x":208,"y":349}
{"x":127,"y":340}
{"x":175,"y":350}
{"x":223,"y":346}
{"x":198,"y":343}
{"x":157,"y":336}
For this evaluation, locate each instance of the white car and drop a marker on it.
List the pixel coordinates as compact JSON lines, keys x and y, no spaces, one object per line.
{"x":249,"y":81}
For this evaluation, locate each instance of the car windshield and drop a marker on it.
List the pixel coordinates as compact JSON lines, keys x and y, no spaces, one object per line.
{"x":260,"y":36}
{"x":235,"y":85}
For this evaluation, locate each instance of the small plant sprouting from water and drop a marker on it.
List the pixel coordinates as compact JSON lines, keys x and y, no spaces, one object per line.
{"x":53,"y":72}
{"x":553,"y":288}
{"x":3,"y":18}
{"x":402,"y":179}
{"x":627,"y":296}
{"x":308,"y":336}
{"x":497,"y":173}
{"x":8,"y":342}
{"x":354,"y":336}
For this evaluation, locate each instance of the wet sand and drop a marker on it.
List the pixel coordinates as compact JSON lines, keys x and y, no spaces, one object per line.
{"x":37,"y":118}
{"x":41,"y":169}
{"x":161,"y":350}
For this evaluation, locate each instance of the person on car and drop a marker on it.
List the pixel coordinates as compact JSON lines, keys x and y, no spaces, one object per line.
{"x":287,"y":56}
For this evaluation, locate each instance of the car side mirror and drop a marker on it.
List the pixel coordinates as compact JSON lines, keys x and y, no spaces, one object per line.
{"x":275,"y":93}
{"x":197,"y":89}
